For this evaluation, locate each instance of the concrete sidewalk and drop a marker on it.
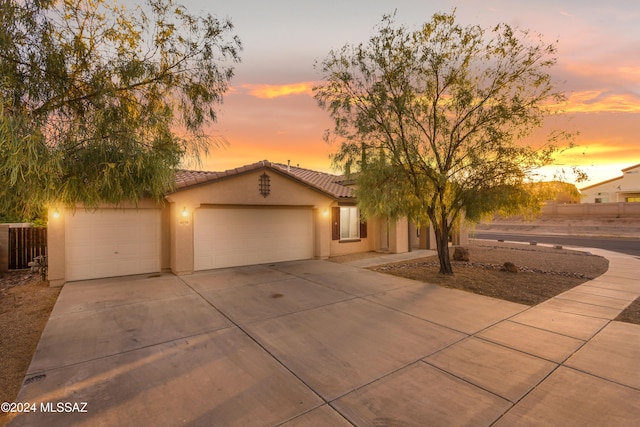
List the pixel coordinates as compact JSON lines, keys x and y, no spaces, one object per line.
{"x":314,"y":343}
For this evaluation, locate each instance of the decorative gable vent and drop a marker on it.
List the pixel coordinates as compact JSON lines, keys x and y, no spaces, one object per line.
{"x":264,"y":185}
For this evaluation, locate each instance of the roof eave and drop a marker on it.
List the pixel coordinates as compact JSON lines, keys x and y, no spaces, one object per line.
{"x":602,"y":183}
{"x":305,"y":183}
{"x":264,"y":165}
{"x":631,"y":167}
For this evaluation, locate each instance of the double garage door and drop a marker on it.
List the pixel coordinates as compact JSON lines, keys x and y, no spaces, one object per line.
{"x":112,"y":242}
{"x":229,"y":237}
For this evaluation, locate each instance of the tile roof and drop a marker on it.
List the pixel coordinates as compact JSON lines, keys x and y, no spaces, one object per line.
{"x":329,"y":184}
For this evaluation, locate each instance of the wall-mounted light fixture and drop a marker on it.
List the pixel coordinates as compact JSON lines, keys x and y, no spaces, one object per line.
{"x":56,"y":214}
{"x":325,"y":212}
{"x":185,"y":212}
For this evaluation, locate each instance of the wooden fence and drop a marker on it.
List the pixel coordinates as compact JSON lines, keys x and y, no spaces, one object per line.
{"x":26,"y":243}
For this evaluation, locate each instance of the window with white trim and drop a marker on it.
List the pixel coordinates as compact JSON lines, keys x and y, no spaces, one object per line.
{"x":349,"y":223}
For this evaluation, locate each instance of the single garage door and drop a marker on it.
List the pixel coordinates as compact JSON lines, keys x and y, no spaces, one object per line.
{"x":230,"y":237}
{"x":112,"y":242}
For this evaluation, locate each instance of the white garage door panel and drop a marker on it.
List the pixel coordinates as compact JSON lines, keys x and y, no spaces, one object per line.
{"x":109,"y":242}
{"x":233,"y":237}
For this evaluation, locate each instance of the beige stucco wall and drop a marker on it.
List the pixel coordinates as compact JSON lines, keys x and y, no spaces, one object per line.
{"x":165,"y":235}
{"x":56,"y":246}
{"x":177,"y":216}
{"x":605,"y":191}
{"x":427,"y":238}
{"x":399,"y":236}
{"x":322,"y":232}
{"x":181,"y":232}
{"x":345,"y":247}
{"x":242,"y":190}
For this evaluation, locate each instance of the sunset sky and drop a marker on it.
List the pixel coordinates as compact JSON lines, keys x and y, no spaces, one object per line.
{"x":270,"y":113}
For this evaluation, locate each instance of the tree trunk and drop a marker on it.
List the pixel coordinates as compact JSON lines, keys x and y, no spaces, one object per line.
{"x":442,"y":244}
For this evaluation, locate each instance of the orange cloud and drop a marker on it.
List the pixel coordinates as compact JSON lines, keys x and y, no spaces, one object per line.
{"x":267,"y":91}
{"x":592,"y":101}
{"x":595,"y":152}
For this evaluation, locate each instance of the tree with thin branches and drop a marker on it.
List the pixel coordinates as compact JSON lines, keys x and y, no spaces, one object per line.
{"x":431,"y":120}
{"x":100,"y":103}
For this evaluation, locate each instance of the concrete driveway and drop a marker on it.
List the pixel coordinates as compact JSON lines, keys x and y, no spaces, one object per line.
{"x":314,"y":343}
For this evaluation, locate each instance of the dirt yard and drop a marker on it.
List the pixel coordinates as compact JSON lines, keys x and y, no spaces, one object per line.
{"x":25,"y":305}
{"x":25,"y":302}
{"x":543,"y":272}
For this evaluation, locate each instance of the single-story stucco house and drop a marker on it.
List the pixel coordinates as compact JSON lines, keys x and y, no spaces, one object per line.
{"x":255,"y":214}
{"x":625,"y":188}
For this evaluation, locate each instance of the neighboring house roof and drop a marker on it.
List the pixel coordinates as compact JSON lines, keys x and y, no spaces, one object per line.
{"x":602,"y":183}
{"x":611,"y":180}
{"x":323,"y":182}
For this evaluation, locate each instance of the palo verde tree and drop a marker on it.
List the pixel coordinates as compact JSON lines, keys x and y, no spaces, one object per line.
{"x":101,"y":103}
{"x":431,"y":120}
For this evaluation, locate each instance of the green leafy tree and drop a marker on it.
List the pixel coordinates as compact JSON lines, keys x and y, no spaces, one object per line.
{"x":101,"y":103}
{"x":431,"y":120}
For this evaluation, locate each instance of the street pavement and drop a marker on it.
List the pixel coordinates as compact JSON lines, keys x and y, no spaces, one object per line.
{"x":625,"y":245}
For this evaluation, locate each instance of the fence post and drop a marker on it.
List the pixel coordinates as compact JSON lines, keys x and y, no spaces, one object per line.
{"x":4,"y":248}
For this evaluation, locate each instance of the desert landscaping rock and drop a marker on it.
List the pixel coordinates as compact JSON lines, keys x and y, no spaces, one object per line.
{"x":509,"y":267}
{"x":461,"y":254}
